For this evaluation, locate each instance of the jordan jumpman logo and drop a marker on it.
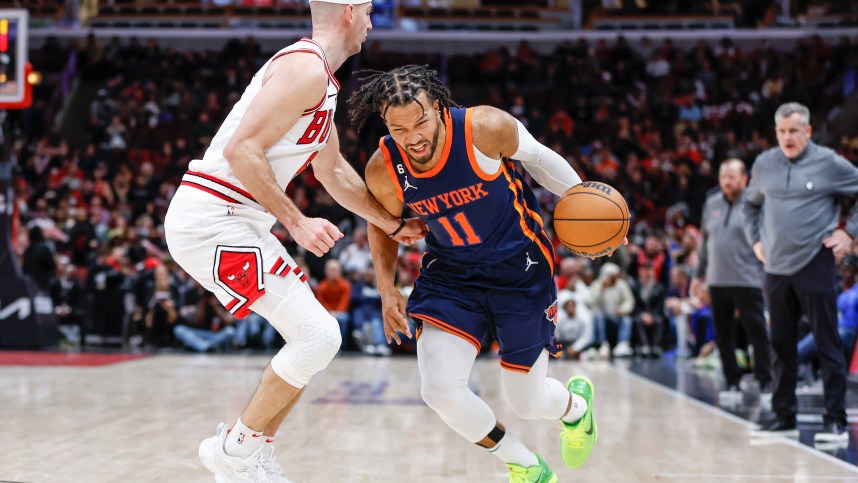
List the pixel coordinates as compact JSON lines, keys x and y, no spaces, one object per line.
{"x":529,"y":262}
{"x":407,"y":185}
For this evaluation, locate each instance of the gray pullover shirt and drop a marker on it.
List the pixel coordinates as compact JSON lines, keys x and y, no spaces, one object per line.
{"x":726,"y":257}
{"x":797,"y":201}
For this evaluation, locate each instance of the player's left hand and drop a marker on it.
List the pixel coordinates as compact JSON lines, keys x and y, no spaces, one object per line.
{"x":413,"y":231}
{"x":393,"y":312}
{"x":839,"y":242}
{"x":625,"y":242}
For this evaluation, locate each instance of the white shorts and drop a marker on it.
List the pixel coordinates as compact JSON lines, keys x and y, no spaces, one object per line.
{"x":225,"y":246}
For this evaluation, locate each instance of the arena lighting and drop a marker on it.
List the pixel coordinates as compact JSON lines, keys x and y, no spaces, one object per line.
{"x":13,"y":57}
{"x":34,"y":78}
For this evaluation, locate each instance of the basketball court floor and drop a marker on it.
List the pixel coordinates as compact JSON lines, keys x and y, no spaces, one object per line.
{"x":140,"y":419}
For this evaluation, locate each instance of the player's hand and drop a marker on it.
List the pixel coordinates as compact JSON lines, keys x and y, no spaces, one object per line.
{"x":317,"y":235}
{"x":393,"y":312}
{"x":625,"y":242}
{"x":758,"y":251}
{"x":840,"y":244}
{"x":413,"y":230}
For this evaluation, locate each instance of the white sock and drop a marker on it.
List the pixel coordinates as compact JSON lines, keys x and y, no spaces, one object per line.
{"x":268,"y":439}
{"x":510,"y":450}
{"x":242,"y":441}
{"x":576,"y":412}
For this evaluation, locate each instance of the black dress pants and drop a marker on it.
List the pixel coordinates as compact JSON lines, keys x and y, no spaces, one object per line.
{"x":811,"y":291}
{"x":749,"y":303}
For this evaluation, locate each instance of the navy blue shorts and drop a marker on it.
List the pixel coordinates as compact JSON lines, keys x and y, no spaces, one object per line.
{"x":515,"y":299}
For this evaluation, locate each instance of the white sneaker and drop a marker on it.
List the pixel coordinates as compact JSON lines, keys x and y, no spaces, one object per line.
{"x":766,"y":397}
{"x":588,"y":355}
{"x":269,"y":464}
{"x":730,"y":397}
{"x":623,"y":349}
{"x":382,"y":350}
{"x":605,"y":350}
{"x":232,"y":469}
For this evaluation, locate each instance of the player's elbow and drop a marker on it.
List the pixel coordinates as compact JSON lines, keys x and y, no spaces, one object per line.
{"x":326,"y":171}
{"x":238,"y":153}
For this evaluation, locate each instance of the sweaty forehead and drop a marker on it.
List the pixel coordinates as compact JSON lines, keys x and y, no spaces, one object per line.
{"x":406,"y":114}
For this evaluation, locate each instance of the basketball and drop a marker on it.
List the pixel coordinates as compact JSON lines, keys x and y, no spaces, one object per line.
{"x":591,"y":219}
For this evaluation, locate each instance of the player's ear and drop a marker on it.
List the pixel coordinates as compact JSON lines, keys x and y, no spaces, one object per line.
{"x":436,"y":105}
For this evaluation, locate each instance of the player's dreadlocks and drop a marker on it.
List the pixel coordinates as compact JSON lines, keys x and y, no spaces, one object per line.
{"x":400,"y":86}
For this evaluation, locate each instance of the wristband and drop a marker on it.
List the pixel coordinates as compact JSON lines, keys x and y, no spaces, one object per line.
{"x":396,"y":231}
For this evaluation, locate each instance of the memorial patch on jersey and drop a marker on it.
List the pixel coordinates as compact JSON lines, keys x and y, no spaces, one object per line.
{"x":238,"y":270}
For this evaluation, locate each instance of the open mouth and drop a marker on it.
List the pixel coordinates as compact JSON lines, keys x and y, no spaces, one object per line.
{"x":420,"y":149}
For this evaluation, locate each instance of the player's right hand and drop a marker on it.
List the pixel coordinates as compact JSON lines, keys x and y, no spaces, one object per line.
{"x":393,"y":312}
{"x":317,"y":235}
{"x":413,"y":231}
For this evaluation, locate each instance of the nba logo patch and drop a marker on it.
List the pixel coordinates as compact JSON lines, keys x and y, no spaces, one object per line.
{"x":551,"y":313}
{"x":240,"y":438}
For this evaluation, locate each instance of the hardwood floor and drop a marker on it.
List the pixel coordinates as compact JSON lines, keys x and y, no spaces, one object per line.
{"x":361,"y":420}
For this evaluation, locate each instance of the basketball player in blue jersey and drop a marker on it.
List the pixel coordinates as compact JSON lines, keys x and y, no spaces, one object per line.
{"x":488,"y":265}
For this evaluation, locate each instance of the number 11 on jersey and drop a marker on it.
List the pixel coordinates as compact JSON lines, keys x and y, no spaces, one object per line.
{"x":471,"y":238}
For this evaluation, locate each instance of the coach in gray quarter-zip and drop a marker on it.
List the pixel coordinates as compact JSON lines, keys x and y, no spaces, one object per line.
{"x":795,"y":188}
{"x":735,"y":279}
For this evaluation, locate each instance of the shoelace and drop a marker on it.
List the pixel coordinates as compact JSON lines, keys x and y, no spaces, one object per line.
{"x":575,"y":437}
{"x":272,"y":466}
{"x":518,"y":475}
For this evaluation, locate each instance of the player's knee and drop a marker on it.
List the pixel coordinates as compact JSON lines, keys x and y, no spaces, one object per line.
{"x":328,"y":338}
{"x":309,"y":351}
{"x":525,"y":407}
{"x":439,"y":392}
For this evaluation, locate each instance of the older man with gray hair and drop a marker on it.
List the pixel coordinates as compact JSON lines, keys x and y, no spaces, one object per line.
{"x":794,"y":188}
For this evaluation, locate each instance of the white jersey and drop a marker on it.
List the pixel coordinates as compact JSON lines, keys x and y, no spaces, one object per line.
{"x":289,"y":155}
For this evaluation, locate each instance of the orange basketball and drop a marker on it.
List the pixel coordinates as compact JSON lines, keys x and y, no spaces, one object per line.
{"x":591,"y":219}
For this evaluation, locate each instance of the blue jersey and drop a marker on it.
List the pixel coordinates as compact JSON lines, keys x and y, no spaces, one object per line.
{"x":475,"y":218}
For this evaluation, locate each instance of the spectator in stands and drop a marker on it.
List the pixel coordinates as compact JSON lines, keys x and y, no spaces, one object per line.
{"x":160,"y":312}
{"x":211,"y":327}
{"x":69,"y":299}
{"x":366,"y":315}
{"x":613,"y":304}
{"x":106,"y":281}
{"x":334,"y":293}
{"x":655,"y":253}
{"x":649,"y":311}
{"x":355,"y":257}
{"x":39,"y":260}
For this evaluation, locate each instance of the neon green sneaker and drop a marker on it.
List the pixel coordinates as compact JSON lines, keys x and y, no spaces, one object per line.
{"x":577,"y":439}
{"x":540,"y":473}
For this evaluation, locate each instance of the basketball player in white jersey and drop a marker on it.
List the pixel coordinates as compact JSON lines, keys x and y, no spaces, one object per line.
{"x":218,"y":226}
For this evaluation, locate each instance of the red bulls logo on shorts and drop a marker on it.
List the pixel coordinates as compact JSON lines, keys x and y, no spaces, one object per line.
{"x":238,"y":270}
{"x":551,"y":312}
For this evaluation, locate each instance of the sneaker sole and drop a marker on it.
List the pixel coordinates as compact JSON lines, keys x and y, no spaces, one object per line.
{"x":793,"y":433}
{"x":825,"y":438}
{"x":206,"y":453}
